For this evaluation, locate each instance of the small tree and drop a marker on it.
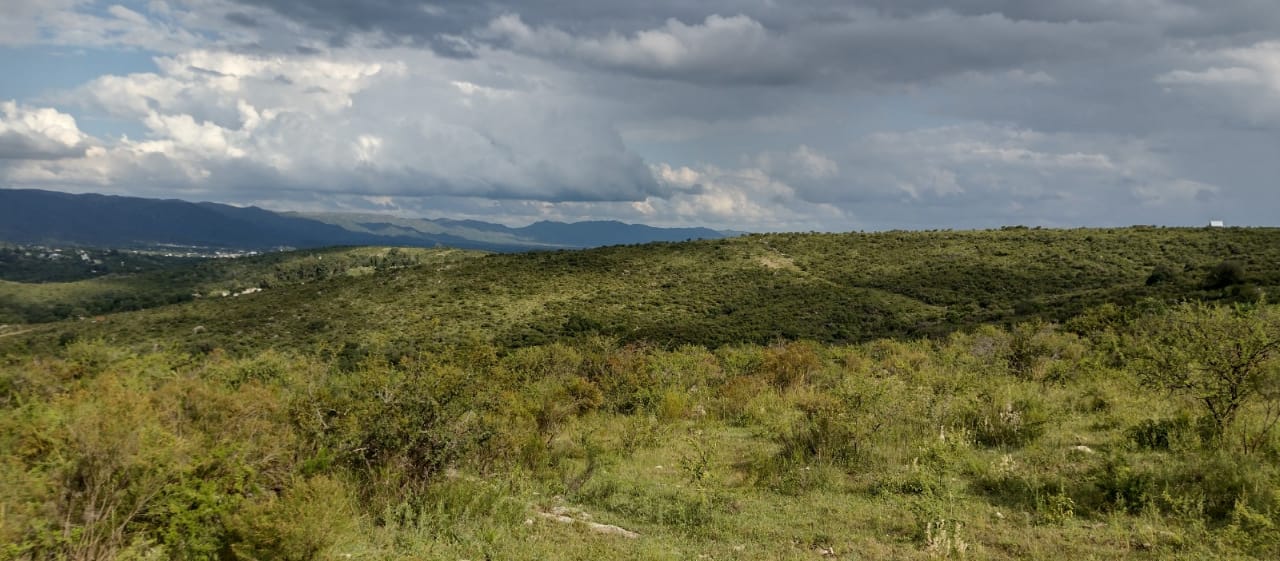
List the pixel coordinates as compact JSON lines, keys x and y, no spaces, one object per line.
{"x":1226,"y":273}
{"x":1161,"y":274}
{"x":1226,"y":359}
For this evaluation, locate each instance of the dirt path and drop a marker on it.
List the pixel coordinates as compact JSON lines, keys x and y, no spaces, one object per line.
{"x":18,"y":332}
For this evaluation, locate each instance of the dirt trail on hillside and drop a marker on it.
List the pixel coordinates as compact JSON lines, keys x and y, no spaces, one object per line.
{"x":18,"y":332}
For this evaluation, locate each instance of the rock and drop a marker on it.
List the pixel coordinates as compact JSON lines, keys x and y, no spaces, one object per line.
{"x":582,"y":518}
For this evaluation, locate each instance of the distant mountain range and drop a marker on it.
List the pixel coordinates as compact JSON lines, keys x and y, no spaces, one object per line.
{"x":35,"y":216}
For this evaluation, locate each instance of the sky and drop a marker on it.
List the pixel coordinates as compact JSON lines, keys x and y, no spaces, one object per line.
{"x":755,"y":115}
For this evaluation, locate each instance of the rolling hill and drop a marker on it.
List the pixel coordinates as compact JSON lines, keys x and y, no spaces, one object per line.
{"x":783,"y":396}
{"x":756,"y":288}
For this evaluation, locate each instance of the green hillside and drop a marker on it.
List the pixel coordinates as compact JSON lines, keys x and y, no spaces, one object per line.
{"x":182,"y":280}
{"x":1013,"y":394}
{"x":756,"y":288}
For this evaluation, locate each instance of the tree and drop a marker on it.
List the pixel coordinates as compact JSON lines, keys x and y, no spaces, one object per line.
{"x":1225,"y":358}
{"x":1160,"y":275}
{"x":1225,"y":274}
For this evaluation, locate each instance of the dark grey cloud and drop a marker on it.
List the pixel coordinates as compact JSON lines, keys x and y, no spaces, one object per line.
{"x":241,"y":19}
{"x":424,"y":23}
{"x":422,"y":17}
{"x":941,"y":22}
{"x":425,"y":20}
{"x":744,"y":114}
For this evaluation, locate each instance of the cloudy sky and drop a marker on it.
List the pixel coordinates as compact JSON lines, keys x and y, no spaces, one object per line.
{"x":740,"y":114}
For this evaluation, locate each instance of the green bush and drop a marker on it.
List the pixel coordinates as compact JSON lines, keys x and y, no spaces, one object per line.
{"x":408,"y":424}
{"x":313,"y":515}
{"x":1159,"y":434}
{"x":1009,"y":421}
{"x":1161,"y":274}
{"x":841,"y":427}
{"x":790,"y":364}
{"x":1125,"y":487}
{"x":1224,"y":274}
{"x":1221,"y":360}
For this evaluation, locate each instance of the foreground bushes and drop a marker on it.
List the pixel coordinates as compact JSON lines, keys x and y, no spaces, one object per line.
{"x":133,"y":451}
{"x":109,"y":454}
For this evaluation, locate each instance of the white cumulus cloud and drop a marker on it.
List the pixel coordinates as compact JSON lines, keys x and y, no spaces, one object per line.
{"x":38,"y":133}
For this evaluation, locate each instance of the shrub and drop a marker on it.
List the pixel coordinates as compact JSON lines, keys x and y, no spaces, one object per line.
{"x":1253,"y":529}
{"x":673,"y":405}
{"x":1246,"y":293}
{"x":740,"y":360}
{"x":639,"y":431}
{"x":1223,"y":359}
{"x":1161,"y":274}
{"x":1008,"y":422}
{"x":402,"y":427}
{"x":310,"y":517}
{"x":735,"y":399}
{"x":1123,"y":486}
{"x":1159,"y":434}
{"x":1028,"y":348}
{"x":578,"y":324}
{"x":1224,"y":274}
{"x":623,"y":376}
{"x":790,"y":364}
{"x":839,"y":427}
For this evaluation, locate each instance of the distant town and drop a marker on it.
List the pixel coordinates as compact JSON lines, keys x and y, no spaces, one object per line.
{"x":64,"y":263}
{"x":88,"y":254}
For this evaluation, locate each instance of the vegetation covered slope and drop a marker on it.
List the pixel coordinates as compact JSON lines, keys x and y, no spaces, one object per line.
{"x":756,"y":288}
{"x":1030,"y":443}
{"x":738,"y":399}
{"x":173,"y":280}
